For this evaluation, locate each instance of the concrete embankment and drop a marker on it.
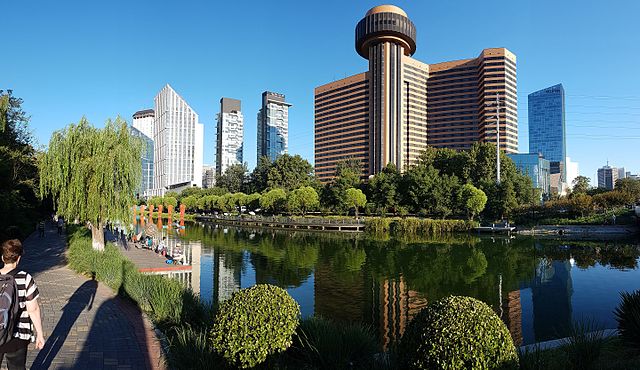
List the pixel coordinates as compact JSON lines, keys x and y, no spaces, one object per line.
{"x":583,"y":230}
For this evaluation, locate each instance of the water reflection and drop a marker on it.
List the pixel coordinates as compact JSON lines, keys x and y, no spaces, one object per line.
{"x":537,"y":287}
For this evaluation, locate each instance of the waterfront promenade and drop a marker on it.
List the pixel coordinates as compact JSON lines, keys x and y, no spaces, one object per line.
{"x":86,"y":325}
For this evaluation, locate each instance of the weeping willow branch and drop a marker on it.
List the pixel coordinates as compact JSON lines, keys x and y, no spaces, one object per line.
{"x":92,"y":174}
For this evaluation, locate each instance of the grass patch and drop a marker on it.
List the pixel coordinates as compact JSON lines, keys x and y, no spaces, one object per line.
{"x":417,"y":226}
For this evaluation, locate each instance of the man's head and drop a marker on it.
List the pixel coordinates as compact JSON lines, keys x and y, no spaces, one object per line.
{"x":11,"y":251}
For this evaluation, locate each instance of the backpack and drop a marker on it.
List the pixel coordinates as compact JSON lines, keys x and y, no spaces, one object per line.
{"x":9,"y":306}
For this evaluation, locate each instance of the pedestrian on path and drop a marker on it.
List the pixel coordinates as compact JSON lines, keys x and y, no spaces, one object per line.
{"x":29,"y":318}
{"x":41,"y":228}
{"x":60,"y":225}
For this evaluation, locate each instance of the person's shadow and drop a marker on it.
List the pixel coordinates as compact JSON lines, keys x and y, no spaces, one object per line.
{"x":82,"y":298}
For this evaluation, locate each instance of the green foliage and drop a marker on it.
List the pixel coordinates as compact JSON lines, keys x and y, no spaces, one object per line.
{"x":412,"y":226}
{"x":253,"y":201}
{"x":274,"y":200}
{"x":190,"y":202}
{"x":630,"y":187}
{"x":612,"y":199}
{"x":354,"y":198}
{"x":169,"y":201}
{"x":472,"y":200}
{"x":383,"y":188}
{"x":92,"y":174}
{"x":289,"y":172}
{"x":584,"y":345}
{"x":19,"y":201}
{"x":233,"y":178}
{"x":457,"y":333}
{"x":628,"y":317}
{"x":303,"y":199}
{"x":255,"y":323}
{"x":324,"y":344}
{"x":189,"y":348}
{"x":347,"y":176}
{"x":581,"y":185}
{"x":377,"y":224}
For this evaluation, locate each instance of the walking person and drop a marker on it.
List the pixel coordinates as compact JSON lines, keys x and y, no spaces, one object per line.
{"x":28,"y":322}
{"x":60,"y":224}
{"x":41,"y":228}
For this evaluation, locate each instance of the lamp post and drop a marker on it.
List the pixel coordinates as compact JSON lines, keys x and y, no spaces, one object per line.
{"x":497,"y":105}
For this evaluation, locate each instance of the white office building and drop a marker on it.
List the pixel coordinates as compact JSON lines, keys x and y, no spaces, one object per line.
{"x":572,"y":170}
{"x":178,"y":138}
{"x":143,"y":121}
{"x":208,"y":176}
{"x":229,"y":135}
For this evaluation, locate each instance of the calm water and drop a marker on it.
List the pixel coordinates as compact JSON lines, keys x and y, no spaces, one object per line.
{"x":538,"y":287}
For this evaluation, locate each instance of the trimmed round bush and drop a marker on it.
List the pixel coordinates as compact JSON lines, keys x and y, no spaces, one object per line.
{"x":457,"y":333}
{"x":253,"y":324}
{"x":628,"y":317}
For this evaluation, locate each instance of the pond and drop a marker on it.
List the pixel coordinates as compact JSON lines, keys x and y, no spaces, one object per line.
{"x":539,"y":287}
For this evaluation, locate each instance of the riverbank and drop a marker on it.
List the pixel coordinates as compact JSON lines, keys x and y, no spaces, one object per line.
{"x":582,"y":231}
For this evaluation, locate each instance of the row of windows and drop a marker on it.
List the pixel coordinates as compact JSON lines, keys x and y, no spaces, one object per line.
{"x":339,"y":89}
{"x":340,"y":97}
{"x":337,"y":107}
{"x":324,"y":133}
{"x":352,"y":115}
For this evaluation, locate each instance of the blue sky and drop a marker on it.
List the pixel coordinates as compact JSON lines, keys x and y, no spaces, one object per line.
{"x":101,"y":59}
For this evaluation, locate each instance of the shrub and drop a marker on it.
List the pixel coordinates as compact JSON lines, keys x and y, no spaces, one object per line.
{"x":584,"y":345}
{"x":324,"y":344}
{"x":457,"y":333}
{"x":254,"y":323}
{"x":628,"y":316}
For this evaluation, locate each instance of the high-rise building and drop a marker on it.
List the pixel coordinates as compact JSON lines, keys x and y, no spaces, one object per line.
{"x":536,"y":168}
{"x":607,"y":177}
{"x":273,"y":125}
{"x":572,"y":170}
{"x":208,"y":176}
{"x":143,"y":121}
{"x":178,"y":143}
{"x":147,"y":161}
{"x":229,"y":134}
{"x":547,"y":134}
{"x":621,"y":173}
{"x":390,"y":113}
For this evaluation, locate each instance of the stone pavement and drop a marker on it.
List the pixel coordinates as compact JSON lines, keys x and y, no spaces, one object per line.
{"x":86,"y":325}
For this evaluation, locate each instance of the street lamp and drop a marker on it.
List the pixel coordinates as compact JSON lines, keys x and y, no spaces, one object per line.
{"x":497,"y":105}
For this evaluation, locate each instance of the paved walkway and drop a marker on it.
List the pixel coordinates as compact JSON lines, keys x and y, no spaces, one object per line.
{"x":85,"y":324}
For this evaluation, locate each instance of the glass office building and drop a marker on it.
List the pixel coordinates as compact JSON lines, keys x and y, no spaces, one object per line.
{"x":547,"y":135}
{"x":273,"y":126}
{"x":537,"y":168}
{"x":147,"y":161}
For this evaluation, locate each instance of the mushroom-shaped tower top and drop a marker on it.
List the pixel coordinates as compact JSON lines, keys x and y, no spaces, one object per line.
{"x":386,"y":9}
{"x":385,"y":23}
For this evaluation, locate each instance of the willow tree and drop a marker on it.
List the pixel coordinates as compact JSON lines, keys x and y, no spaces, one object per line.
{"x":92,"y":174}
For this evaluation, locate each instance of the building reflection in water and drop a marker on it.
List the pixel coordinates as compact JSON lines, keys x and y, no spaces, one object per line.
{"x":226,"y":275}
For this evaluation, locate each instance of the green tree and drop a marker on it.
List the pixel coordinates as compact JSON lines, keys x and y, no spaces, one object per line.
{"x":259,"y":176}
{"x":168,"y":200}
{"x":19,"y":201}
{"x":417,"y":186}
{"x":581,"y":203}
{"x":472,"y":200}
{"x":274,"y":200}
{"x":225,"y":203}
{"x":303,"y":199}
{"x":233,"y":178}
{"x":190,"y":202}
{"x":347,"y":176}
{"x":581,"y":185}
{"x":253,"y":201}
{"x":289,"y":172}
{"x":631,"y":187}
{"x":240,"y":200}
{"x":355,"y":198}
{"x":92,"y":174}
{"x":383,"y":189}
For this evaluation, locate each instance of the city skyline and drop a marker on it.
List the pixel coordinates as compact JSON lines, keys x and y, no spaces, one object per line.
{"x":63,"y":90}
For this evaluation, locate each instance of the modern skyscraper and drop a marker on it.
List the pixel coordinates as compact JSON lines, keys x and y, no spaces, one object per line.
{"x":607,"y":177}
{"x":208,"y":176}
{"x":390,"y":113}
{"x":230,"y":135}
{"x":273,"y":125}
{"x":147,"y":161}
{"x":547,"y":134}
{"x":621,"y":173}
{"x":179,"y":143}
{"x":143,"y":121}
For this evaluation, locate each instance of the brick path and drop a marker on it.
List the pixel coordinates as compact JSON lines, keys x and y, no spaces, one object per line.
{"x":85,"y":324}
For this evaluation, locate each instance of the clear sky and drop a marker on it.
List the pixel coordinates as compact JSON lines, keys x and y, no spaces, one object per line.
{"x":101,"y":59}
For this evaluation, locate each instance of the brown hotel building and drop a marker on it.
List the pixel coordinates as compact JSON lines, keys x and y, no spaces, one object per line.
{"x":397,"y":108}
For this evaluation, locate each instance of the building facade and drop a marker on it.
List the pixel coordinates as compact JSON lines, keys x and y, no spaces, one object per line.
{"x":273,"y":126}
{"x":547,"y":134}
{"x":179,"y":143}
{"x":572,"y":170}
{"x":607,"y":177}
{"x":147,"y":162}
{"x":393,"y":111}
{"x":143,"y":121}
{"x":536,"y":168}
{"x":229,"y":135}
{"x":208,"y":176}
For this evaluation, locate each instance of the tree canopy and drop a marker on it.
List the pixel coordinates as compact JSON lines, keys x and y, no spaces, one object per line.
{"x":92,"y":174}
